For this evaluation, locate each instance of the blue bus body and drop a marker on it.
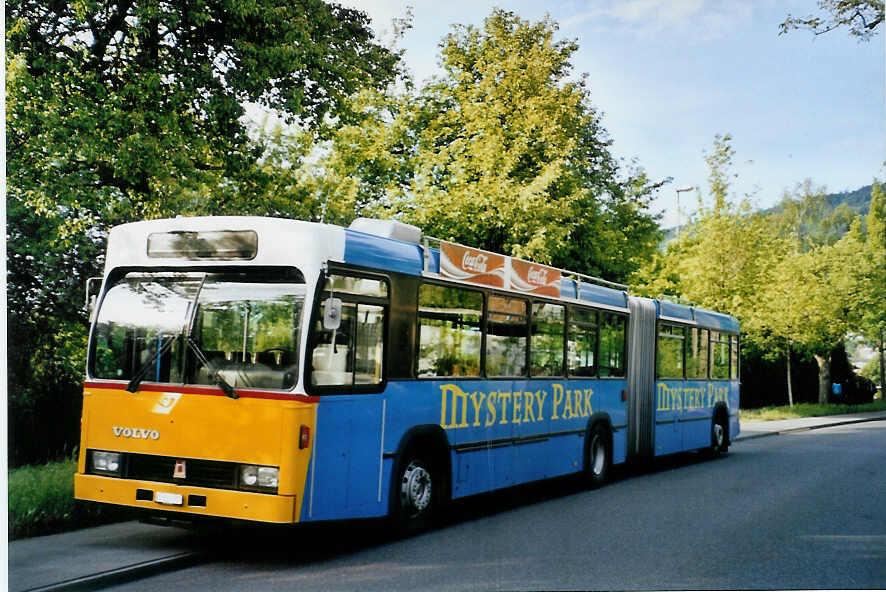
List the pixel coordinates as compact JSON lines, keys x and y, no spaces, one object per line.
{"x":498,"y":432}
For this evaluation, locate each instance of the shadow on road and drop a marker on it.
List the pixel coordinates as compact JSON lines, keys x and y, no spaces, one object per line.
{"x":303,"y":544}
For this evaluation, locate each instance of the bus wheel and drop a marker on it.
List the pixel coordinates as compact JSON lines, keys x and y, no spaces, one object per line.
{"x":719,"y":438}
{"x":599,"y":456}
{"x":416,"y":489}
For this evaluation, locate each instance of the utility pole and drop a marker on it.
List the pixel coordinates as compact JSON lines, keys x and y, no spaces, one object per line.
{"x":679,"y":191}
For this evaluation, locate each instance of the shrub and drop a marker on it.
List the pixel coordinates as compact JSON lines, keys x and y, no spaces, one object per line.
{"x":41,"y":501}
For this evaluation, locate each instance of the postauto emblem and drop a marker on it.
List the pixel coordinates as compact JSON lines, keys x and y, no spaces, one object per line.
{"x":139,"y":433}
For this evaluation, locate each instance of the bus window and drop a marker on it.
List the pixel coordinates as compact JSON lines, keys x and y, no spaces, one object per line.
{"x":719,"y":355}
{"x":449,"y":331}
{"x":669,"y":354}
{"x":582,"y":342}
{"x":612,"y":344}
{"x":351,"y":354}
{"x":547,"y":339}
{"x":506,"y":336}
{"x":244,"y":326}
{"x":733,"y":342}
{"x":696,"y":353}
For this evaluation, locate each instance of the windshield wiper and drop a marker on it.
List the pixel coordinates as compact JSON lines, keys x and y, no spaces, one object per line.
{"x":216,"y":376}
{"x":136,"y":380}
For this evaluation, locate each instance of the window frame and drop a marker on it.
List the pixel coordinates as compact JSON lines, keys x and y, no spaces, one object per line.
{"x":317,"y":315}
{"x":484,"y":328}
{"x":260,"y":273}
{"x":722,"y":338}
{"x":569,"y":320}
{"x":659,"y":325}
{"x":707,"y":352}
{"x":416,"y":350}
{"x":563,"y":342}
{"x":735,"y":355}
{"x":624,"y":345}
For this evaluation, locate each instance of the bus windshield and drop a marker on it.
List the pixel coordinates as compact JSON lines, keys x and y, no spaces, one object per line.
{"x":245,"y":326}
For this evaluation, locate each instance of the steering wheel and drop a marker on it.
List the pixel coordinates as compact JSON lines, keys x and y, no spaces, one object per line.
{"x":282,"y":350}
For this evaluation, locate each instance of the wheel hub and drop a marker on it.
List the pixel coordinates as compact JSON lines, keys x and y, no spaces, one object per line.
{"x":415,"y":490}
{"x":598,"y":455}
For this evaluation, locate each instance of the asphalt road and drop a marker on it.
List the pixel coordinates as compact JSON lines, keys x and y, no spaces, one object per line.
{"x":805,"y":510}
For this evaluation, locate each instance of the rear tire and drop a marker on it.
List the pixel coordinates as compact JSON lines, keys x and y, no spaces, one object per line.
{"x":719,"y":436}
{"x":598,"y":457}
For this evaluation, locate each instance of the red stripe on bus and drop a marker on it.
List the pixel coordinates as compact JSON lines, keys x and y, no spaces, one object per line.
{"x":204,"y":390}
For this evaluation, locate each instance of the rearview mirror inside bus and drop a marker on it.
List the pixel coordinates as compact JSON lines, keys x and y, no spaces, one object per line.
{"x":332,"y":314}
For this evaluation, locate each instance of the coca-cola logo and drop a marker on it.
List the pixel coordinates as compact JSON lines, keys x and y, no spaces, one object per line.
{"x":537,"y":276}
{"x":474,"y":262}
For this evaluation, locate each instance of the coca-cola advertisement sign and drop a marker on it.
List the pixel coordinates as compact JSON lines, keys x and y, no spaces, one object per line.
{"x":534,"y":278}
{"x":472,"y":265}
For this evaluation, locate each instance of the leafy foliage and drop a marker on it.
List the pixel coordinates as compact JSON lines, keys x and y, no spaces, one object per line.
{"x":503,"y":151}
{"x":795,"y":278}
{"x":862,"y":17}
{"x":131,"y":110}
{"x":41,"y":501}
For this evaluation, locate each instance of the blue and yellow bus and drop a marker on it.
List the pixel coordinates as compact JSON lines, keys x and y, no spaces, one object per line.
{"x":282,"y":371}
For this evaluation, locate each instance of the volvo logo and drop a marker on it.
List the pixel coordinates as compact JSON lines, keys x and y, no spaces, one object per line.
{"x":136,"y":433}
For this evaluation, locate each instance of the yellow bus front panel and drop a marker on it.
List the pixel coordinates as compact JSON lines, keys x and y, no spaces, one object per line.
{"x":190,"y":444}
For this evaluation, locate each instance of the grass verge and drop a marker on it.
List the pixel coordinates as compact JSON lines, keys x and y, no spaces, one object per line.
{"x":41,"y":501}
{"x":808,"y":410}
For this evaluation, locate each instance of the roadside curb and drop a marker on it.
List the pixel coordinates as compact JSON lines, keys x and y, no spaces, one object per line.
{"x":809,"y":427}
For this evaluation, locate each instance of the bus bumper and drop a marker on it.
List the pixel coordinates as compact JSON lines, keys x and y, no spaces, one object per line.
{"x":186,"y":500}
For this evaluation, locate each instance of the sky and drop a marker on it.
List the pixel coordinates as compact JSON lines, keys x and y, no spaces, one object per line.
{"x":667,"y":75}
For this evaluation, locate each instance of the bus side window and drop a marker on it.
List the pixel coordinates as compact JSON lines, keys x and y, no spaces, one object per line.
{"x":352,"y":353}
{"x":546,"y":346}
{"x":733,"y":348}
{"x":696,"y":353}
{"x":506,"y":336}
{"x":719,"y":355}
{"x":582,"y":342}
{"x":612,"y":344}
{"x":669,"y":354}
{"x":449,"y":333}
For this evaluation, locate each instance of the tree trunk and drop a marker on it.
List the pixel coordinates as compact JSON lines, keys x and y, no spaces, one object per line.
{"x":824,"y":377}
{"x":790,"y":388}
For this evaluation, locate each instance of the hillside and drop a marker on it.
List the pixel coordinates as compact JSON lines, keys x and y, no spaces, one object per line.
{"x":858,"y":201}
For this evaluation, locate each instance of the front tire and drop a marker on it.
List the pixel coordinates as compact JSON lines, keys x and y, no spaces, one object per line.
{"x":418,"y":490}
{"x":599,"y":456}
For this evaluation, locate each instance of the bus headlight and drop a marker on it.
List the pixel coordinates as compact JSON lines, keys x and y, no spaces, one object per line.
{"x":256,"y":477}
{"x":106,"y":463}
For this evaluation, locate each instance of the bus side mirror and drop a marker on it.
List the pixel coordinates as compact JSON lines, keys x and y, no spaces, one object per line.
{"x":332,"y":314}
{"x":93,"y":285}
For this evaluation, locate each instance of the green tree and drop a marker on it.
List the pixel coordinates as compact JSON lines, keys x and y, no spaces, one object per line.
{"x":114,"y":109}
{"x":723,"y":256}
{"x":503,"y":152}
{"x":862,"y":17}
{"x":869,"y":277}
{"x":806,"y":214}
{"x":809,"y":303}
{"x":130,"y":110}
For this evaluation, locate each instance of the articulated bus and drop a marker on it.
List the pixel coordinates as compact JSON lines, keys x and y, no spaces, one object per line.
{"x":281,"y":371}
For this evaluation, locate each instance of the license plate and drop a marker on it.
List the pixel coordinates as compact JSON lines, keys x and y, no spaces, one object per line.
{"x":170,"y":499}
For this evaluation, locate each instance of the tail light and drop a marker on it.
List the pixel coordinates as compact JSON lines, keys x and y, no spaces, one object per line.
{"x":304,"y":438}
